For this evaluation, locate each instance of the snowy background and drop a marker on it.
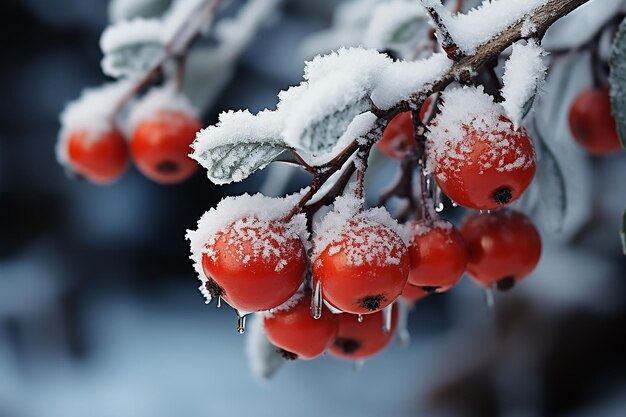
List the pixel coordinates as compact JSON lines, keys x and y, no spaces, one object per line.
{"x":99,"y":312}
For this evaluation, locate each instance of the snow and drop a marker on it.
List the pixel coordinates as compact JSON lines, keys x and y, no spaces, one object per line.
{"x":422,"y":228}
{"x":347,"y":224}
{"x":524,"y":76}
{"x":402,"y":79}
{"x":131,"y":32}
{"x":178,"y":16}
{"x":482,"y":23}
{"x":91,"y":112}
{"x":157,"y":100}
{"x":259,"y":211}
{"x":471,"y":107}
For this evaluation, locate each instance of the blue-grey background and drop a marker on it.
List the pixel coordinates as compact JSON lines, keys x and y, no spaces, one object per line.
{"x":99,"y":312}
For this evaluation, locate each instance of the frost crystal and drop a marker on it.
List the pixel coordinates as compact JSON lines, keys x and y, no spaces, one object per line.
{"x":471,"y":109}
{"x":524,"y":76}
{"x":338,"y":231}
{"x":257,"y":208}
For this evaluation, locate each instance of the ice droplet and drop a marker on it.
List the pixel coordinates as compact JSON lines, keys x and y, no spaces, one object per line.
{"x":219,"y":301}
{"x":360,"y":318}
{"x":490,"y":301}
{"x":387,"y":318}
{"x":241,"y":324}
{"x":317,"y":300}
{"x":437,"y":198}
{"x":455,"y":204}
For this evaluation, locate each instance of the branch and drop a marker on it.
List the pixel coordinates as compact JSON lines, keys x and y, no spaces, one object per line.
{"x":447,"y":42}
{"x":176,"y":49}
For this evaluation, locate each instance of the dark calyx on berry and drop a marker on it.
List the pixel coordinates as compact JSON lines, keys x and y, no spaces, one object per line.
{"x":371,"y":302}
{"x":505,"y":284}
{"x":502,"y":195}
{"x":168,"y":167}
{"x":290,"y":356}
{"x":214,"y":289}
{"x":347,"y":346}
{"x":429,"y":290}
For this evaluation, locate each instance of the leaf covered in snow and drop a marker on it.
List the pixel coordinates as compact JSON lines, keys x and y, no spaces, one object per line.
{"x":395,"y":22}
{"x":131,"y":47}
{"x":240,"y":144}
{"x":617,"y":79}
{"x":551,"y":184}
{"x":524,"y":76}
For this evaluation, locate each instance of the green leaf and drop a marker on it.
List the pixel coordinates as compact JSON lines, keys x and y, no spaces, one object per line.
{"x":234,"y":162}
{"x":624,"y":233}
{"x":617,"y":79}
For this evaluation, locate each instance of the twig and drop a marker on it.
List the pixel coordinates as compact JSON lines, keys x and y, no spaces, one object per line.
{"x":447,"y":42}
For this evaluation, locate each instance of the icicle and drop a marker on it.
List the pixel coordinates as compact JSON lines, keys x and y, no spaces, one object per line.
{"x":316,"y":301}
{"x":437,"y":198}
{"x":360,"y":318}
{"x":490,"y":301}
{"x":219,"y":301}
{"x":404,"y":337}
{"x":358,"y":365}
{"x":241,"y":323}
{"x":387,"y":318}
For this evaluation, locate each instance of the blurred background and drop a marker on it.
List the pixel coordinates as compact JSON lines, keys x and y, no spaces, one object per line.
{"x":100,"y":313}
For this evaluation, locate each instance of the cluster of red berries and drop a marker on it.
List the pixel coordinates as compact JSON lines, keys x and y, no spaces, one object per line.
{"x":159,"y":146}
{"x":257,"y":265}
{"x":592,"y":123}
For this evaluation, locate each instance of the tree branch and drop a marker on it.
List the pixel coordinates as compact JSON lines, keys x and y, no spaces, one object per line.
{"x":447,"y":42}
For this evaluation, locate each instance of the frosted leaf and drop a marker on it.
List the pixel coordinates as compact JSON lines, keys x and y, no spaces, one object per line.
{"x":524,"y":76}
{"x":131,"y":47}
{"x":91,"y":112}
{"x":551,"y":184}
{"x":477,"y":26}
{"x":335,"y":89}
{"x":395,"y":22}
{"x":263,"y":356}
{"x":239,"y":144}
{"x":232,"y":209}
{"x":617,"y":79}
{"x":346,"y":218}
{"x":580,"y":25}
{"x":128,"y":9}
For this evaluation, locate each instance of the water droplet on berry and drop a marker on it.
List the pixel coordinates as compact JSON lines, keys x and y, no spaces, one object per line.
{"x":455,"y":204}
{"x":317,"y":300}
{"x":360,"y":318}
{"x":219,"y":302}
{"x":387,"y":318}
{"x":241,"y":324}
{"x":437,"y":198}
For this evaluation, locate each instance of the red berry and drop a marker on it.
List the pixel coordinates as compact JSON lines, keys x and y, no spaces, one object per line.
{"x":411,"y":293}
{"x":398,"y":139}
{"x":364,"y":269}
{"x":101,"y":159}
{"x":486,"y":170}
{"x":254,"y":265}
{"x":160,"y":146}
{"x":361,"y":340}
{"x":592,"y":124}
{"x":438,"y":256}
{"x":297,"y":333}
{"x":503,"y":247}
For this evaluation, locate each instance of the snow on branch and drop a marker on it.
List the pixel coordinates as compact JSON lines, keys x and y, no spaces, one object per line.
{"x":348,"y":96}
